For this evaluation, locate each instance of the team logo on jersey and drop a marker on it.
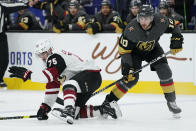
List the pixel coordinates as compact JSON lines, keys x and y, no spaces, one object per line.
{"x":146,"y":46}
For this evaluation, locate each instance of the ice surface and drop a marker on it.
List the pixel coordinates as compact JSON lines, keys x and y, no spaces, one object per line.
{"x":141,"y":112}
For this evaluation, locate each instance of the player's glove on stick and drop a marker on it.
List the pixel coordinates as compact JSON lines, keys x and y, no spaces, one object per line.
{"x":20,"y":72}
{"x":127,"y":71}
{"x":176,"y":44}
{"x":43,"y":111}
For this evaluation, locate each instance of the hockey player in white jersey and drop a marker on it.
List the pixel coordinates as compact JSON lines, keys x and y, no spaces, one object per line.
{"x":79,"y":80}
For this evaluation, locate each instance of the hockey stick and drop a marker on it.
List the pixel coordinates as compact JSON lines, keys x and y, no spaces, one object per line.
{"x":60,"y":101}
{"x":136,"y":71}
{"x":17,"y":117}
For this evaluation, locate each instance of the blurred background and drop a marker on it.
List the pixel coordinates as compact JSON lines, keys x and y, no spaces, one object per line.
{"x":183,"y":11}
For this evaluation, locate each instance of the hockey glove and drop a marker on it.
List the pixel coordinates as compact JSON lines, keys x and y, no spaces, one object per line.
{"x":81,"y":24}
{"x":61,"y":79}
{"x":127,"y":71}
{"x":117,"y":28}
{"x":58,"y":27}
{"x":89,"y":30}
{"x":55,"y":29}
{"x":20,"y":72}
{"x":43,"y":111}
{"x":176,"y":44}
{"x":97,"y":27}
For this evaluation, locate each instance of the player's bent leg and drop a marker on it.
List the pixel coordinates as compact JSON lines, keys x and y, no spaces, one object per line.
{"x":69,"y":94}
{"x":67,"y":114}
{"x":117,"y":93}
{"x":102,"y":111}
{"x":121,"y":89}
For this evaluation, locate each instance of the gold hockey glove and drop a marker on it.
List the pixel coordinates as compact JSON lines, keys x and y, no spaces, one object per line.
{"x":23,"y":25}
{"x":117,"y":28}
{"x":56,"y":29}
{"x":81,"y":24}
{"x":129,"y":77}
{"x":97,"y":27}
{"x":127,"y":71}
{"x":175,"y":51}
{"x":176,"y":44}
{"x":89,"y":31}
{"x":93,"y":28}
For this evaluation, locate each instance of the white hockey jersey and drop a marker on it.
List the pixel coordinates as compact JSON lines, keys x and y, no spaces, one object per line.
{"x":60,"y":63}
{"x":67,"y":64}
{"x":75,"y":64}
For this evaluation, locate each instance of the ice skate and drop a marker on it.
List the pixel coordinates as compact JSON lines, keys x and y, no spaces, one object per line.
{"x":174,"y":109}
{"x":3,"y":86}
{"x":67,"y":114}
{"x":110,"y":109}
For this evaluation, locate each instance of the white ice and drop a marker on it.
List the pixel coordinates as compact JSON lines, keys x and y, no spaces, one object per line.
{"x":141,"y":112}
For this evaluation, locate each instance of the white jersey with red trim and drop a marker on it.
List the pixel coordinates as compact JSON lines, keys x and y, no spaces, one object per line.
{"x":60,"y":63}
{"x":74,"y":64}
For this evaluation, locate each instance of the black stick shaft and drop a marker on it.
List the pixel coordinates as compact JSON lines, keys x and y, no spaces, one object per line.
{"x":17,"y":117}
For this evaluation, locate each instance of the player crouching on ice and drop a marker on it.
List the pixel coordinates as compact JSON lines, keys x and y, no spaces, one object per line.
{"x":79,"y":80}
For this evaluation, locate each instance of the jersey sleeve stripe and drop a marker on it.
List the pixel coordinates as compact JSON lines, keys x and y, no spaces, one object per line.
{"x":94,"y":70}
{"x":123,"y":51}
{"x":52,"y":89}
{"x":52,"y":92}
{"x":70,"y":96}
{"x":48,"y":75}
{"x":89,"y":110}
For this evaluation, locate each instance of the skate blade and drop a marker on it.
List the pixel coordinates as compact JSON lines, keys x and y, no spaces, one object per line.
{"x":176,"y":116}
{"x":67,"y":119}
{"x":114,"y":105}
